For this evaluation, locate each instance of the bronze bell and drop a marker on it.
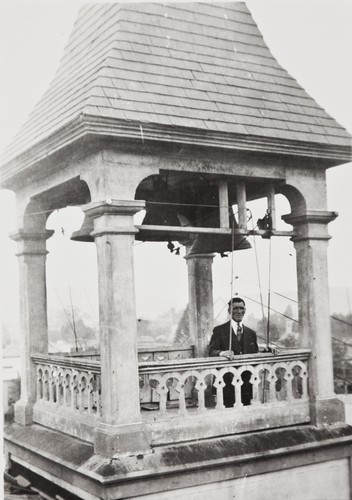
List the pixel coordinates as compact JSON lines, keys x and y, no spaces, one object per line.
{"x":159,"y":216}
{"x":84,"y":233}
{"x":162,"y":215}
{"x":218,"y":243}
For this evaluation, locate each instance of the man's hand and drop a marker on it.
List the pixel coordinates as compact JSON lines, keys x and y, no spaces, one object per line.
{"x":273,"y":350}
{"x":227,"y":354}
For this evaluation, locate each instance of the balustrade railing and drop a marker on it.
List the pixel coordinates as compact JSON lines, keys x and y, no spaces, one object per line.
{"x":70,"y":384}
{"x":263,"y":390}
{"x":198,"y":385}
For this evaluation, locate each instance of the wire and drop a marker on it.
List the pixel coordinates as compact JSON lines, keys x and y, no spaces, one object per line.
{"x":294,"y":320}
{"x":293,"y":300}
{"x":39,"y":213}
{"x":73,"y":320}
{"x":341,"y":320}
{"x":274,"y":310}
{"x":225,"y":304}
{"x":341,"y":341}
{"x":276,"y":293}
{"x":32,"y":214}
{"x":269,"y":297}
{"x":67,"y":316}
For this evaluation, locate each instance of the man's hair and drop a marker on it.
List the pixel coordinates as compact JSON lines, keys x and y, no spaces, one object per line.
{"x":236,"y":299}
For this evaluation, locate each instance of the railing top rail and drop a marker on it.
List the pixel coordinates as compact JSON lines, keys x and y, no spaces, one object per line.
{"x":204,"y":363}
{"x":162,"y":348}
{"x":177,"y":364}
{"x":68,"y":362}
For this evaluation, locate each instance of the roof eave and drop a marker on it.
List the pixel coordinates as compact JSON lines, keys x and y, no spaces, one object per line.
{"x":133,"y":130}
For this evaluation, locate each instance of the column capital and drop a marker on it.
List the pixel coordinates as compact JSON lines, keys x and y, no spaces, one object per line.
{"x":113,"y":207}
{"x":315,"y":216}
{"x":31,"y":243}
{"x":113,"y":216}
{"x":200,"y":256}
{"x":310,"y":225}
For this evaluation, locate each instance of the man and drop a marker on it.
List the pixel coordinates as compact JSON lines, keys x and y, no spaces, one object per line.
{"x":243,"y":341}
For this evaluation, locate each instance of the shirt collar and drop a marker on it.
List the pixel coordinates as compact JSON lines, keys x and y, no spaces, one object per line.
{"x":234,"y":325}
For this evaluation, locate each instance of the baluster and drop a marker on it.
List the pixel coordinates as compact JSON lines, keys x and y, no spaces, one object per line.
{"x":162,"y":390}
{"x":96,"y":394}
{"x":50,"y":381}
{"x":89,"y":389}
{"x":145,"y":389}
{"x":39,"y":382}
{"x":237,"y":382}
{"x":181,"y":395}
{"x":255,"y":380}
{"x":191,"y":392}
{"x":299,"y":371}
{"x":272,"y":378}
{"x":80,"y":388}
{"x":200,"y":387}
{"x":289,"y":378}
{"x":219,"y":385}
{"x":60,"y":389}
{"x":46,"y":384}
{"x":54,"y":384}
{"x":304,"y":375}
{"x":252,"y":372}
{"x":67,"y":383}
{"x":263,"y":382}
{"x":57,"y":385}
{"x":72,"y":390}
{"x":78,"y":391}
{"x":85,"y":393}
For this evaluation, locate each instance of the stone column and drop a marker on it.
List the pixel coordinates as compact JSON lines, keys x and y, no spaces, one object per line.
{"x":120,"y":430}
{"x":200,"y":291}
{"x":33,"y":314}
{"x":311,"y":244}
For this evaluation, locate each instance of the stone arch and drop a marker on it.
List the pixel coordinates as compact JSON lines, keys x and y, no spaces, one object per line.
{"x":295,"y":198}
{"x":37,"y":209}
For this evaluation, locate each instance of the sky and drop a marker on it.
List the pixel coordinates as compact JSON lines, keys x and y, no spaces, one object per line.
{"x":311,"y":39}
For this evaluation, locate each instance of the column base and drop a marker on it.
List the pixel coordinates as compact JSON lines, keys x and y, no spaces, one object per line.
{"x":327,"y":411}
{"x":23,"y":412}
{"x":118,"y":440}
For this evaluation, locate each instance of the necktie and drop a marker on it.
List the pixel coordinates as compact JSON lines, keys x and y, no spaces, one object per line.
{"x":239,"y":332}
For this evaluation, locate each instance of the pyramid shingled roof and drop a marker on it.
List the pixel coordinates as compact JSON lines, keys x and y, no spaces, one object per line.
{"x":198,"y":66}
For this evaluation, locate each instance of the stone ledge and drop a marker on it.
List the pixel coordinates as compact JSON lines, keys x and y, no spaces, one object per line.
{"x":193,"y":463}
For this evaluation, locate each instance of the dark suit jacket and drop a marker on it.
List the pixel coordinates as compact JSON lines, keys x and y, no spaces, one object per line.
{"x":220,"y":340}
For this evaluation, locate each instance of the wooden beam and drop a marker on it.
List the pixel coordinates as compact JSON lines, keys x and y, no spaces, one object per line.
{"x":241,"y":204}
{"x":271,"y":204}
{"x":223,"y":203}
{"x":209,"y":230}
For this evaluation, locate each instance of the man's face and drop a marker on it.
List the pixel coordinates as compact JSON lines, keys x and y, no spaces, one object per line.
{"x":238,"y":311}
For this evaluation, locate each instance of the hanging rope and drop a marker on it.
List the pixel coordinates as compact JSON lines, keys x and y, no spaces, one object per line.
{"x":258,"y":274}
{"x":231,"y":287}
{"x":269,"y":298}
